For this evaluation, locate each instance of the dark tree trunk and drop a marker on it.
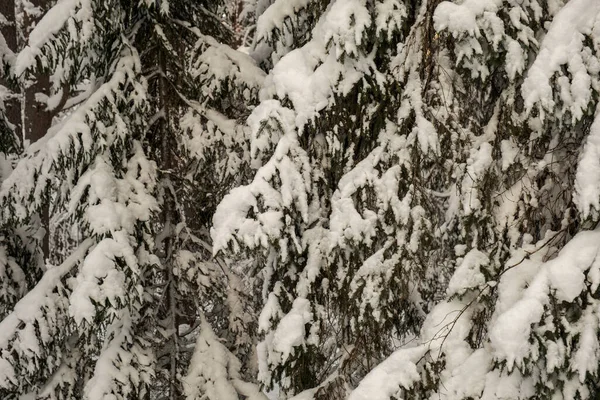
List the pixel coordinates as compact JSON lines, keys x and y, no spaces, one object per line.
{"x":9,"y":31}
{"x":37,"y":119}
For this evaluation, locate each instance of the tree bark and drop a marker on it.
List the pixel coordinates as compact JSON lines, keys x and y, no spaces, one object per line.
{"x":9,"y":31}
{"x":36,"y":118}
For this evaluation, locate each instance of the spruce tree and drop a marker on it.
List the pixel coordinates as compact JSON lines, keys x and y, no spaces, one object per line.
{"x":384,"y":199}
{"x":149,"y":94}
{"x":518,"y":318}
{"x":427,"y":183}
{"x":334,"y":213}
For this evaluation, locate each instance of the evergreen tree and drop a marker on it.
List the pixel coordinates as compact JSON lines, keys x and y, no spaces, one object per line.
{"x":517,"y":320}
{"x":143,"y":89}
{"x":386,"y":199}
{"x":428,"y":182}
{"x":13,"y":255}
{"x":336,"y":212}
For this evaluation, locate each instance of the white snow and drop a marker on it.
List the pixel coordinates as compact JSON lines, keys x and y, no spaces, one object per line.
{"x":480,"y":159}
{"x":562,"y":46}
{"x":290,"y":331}
{"x":346,"y":223}
{"x":218,"y":63}
{"x":386,"y":379}
{"x":275,"y":16}
{"x":585,"y":360}
{"x":468,"y":274}
{"x":100,"y":280}
{"x":230,"y":220}
{"x":120,"y":363}
{"x":462,"y":17}
{"x":265,"y":136}
{"x":390,"y":14}
{"x":311,"y":75}
{"x":214,"y":372}
{"x":509,"y":153}
{"x":345,"y":25}
{"x":71,"y":133}
{"x":52,"y":22}
{"x":564,"y":275}
{"x":515,"y":59}
{"x":29,"y":309}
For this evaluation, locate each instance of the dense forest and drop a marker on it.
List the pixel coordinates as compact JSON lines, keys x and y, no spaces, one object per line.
{"x":299,"y":199}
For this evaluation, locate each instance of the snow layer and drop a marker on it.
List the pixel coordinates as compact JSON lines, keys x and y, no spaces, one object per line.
{"x":214,"y":372}
{"x":463,"y":17}
{"x":525,"y":291}
{"x":29,"y":309}
{"x":562,"y":46}
{"x":290,"y":330}
{"x":53,"y":21}
{"x":468,"y":275}
{"x":275,"y":16}
{"x":564,"y":276}
{"x":386,"y":379}
{"x":99,"y":280}
{"x":311,"y":75}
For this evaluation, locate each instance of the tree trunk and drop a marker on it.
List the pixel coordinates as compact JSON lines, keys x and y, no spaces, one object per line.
{"x":9,"y":31}
{"x":36,"y":118}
